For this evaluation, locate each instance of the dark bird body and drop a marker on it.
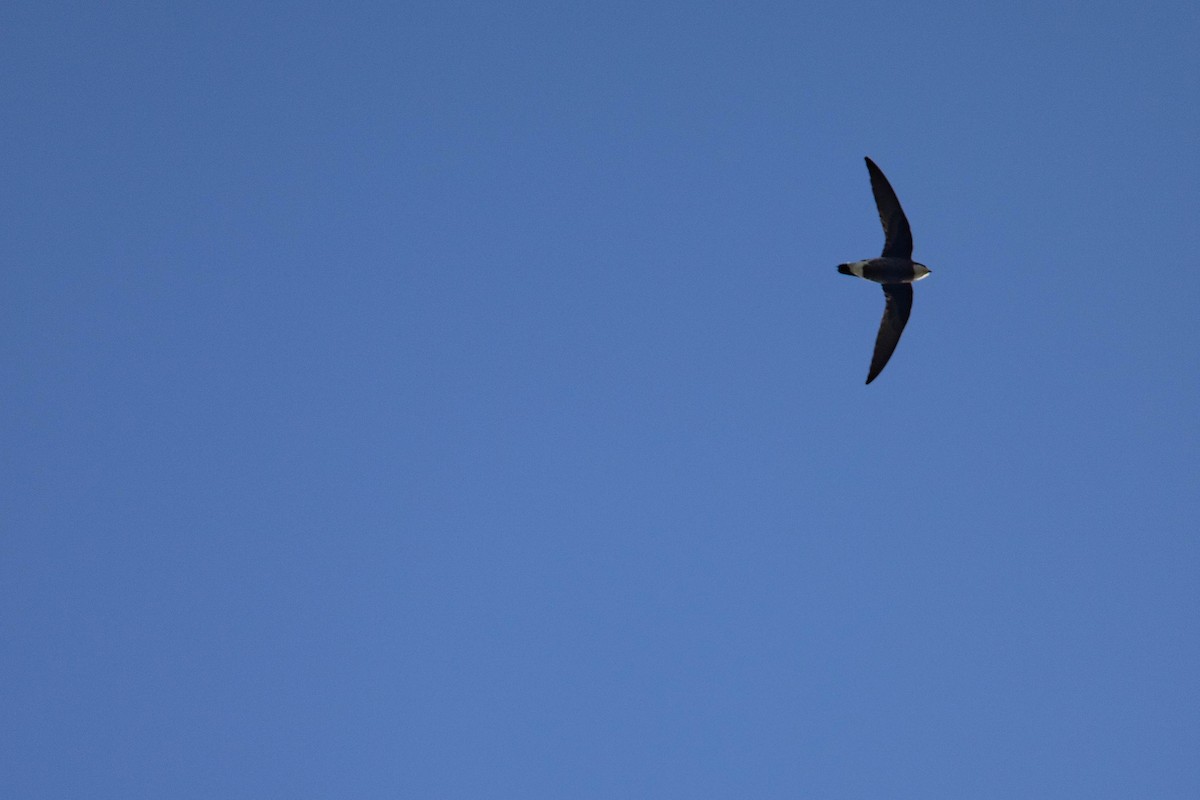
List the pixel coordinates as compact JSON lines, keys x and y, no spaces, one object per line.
{"x":894,"y":268}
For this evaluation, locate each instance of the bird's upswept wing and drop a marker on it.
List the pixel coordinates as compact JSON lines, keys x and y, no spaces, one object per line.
{"x":898,"y":236}
{"x":895,"y":317}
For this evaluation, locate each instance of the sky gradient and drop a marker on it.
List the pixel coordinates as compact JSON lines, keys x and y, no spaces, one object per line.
{"x":460,"y":400}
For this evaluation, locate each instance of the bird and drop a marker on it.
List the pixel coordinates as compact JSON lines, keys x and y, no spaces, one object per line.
{"x":894,"y":268}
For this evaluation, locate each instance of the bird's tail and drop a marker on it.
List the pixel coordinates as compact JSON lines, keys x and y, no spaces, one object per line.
{"x":844,"y":269}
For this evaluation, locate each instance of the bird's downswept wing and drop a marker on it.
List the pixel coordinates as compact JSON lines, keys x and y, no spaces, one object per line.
{"x":895,"y":317}
{"x":897,"y":234}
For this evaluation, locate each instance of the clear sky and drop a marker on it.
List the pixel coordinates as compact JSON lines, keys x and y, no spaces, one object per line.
{"x":460,"y":400}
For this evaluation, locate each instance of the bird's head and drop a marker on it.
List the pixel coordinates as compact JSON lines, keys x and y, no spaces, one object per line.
{"x":920,"y":271}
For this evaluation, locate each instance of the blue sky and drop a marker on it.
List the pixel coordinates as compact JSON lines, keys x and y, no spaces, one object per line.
{"x":459,"y":400}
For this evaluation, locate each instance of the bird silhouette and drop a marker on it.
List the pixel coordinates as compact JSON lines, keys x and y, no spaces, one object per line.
{"x":894,"y":268}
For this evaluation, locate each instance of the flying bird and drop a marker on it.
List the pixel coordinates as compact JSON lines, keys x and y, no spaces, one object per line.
{"x":894,"y":268}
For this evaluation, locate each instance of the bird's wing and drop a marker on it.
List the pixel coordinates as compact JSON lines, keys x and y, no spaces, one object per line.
{"x":897,"y":234}
{"x":895,"y":317}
